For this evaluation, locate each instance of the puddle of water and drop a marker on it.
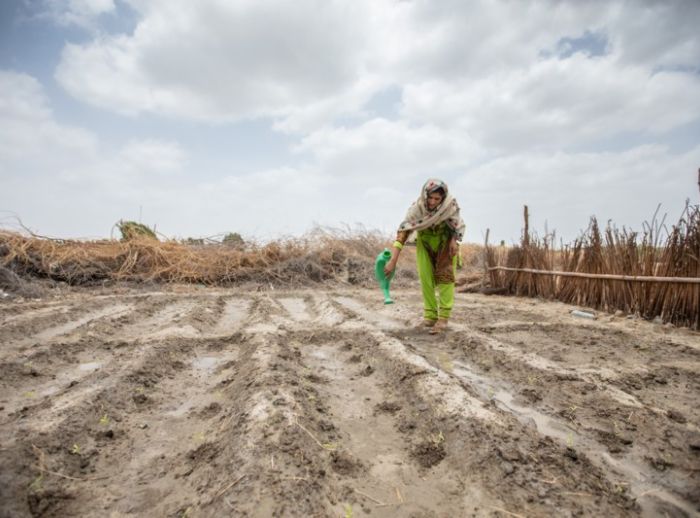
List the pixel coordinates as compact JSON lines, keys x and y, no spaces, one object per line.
{"x":235,"y":311}
{"x":90,"y":366}
{"x":34,"y":313}
{"x":206,"y":363}
{"x":296,"y":308}
{"x":111,"y":311}
{"x":644,"y":484}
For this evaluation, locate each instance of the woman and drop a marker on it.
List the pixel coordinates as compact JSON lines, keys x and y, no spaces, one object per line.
{"x":436,"y":219}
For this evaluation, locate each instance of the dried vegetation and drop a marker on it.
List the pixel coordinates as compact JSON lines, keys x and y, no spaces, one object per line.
{"x":322,"y":255}
{"x":667,"y":256}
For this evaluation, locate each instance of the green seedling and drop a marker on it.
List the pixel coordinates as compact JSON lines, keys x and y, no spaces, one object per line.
{"x":330,"y":446}
{"x":198,"y":437}
{"x":570,"y":440}
{"x":104,"y":420}
{"x":348,"y":511}
{"x":37,"y":483}
{"x":75,"y":450}
{"x":31,"y":394}
{"x":438,"y":438}
{"x":620,"y":488}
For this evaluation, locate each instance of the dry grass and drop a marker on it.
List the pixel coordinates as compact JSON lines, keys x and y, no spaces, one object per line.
{"x":655,"y":252}
{"x":322,"y":255}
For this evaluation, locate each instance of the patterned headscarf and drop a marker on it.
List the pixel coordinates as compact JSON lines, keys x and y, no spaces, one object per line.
{"x":419,"y":217}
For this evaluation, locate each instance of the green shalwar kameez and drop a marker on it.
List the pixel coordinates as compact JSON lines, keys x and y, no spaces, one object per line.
{"x":436,"y":270}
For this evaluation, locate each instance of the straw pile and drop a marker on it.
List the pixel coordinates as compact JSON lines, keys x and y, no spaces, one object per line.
{"x":322,"y":255}
{"x":655,"y":253}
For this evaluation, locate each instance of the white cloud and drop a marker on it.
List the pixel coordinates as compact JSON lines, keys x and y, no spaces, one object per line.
{"x":557,"y":103}
{"x":389,"y":151}
{"x":493,"y":96}
{"x":219,"y":61}
{"x":29,"y":136}
{"x":82,"y":13}
{"x":565,"y":189}
{"x":307,"y":63}
{"x":154,"y":155}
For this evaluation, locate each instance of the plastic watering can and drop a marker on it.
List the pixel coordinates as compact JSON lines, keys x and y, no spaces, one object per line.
{"x":384,"y":282}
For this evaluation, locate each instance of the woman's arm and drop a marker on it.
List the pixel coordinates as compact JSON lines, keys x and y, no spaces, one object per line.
{"x":454,"y":245}
{"x":401,"y":238}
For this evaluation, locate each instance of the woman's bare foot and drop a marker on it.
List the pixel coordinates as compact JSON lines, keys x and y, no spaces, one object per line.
{"x":439,"y":327}
{"x":425,"y":323}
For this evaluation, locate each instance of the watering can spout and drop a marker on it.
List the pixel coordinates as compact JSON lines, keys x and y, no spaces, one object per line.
{"x":384,"y":281}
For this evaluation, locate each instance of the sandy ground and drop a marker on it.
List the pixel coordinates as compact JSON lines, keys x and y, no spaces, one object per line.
{"x":196,"y":402}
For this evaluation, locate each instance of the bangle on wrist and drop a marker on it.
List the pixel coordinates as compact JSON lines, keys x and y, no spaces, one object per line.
{"x":398,"y":244}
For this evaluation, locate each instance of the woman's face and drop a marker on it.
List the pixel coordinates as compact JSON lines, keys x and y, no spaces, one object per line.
{"x":434,"y":199}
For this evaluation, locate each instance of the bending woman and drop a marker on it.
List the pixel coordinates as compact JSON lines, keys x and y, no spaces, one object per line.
{"x":436,"y":219}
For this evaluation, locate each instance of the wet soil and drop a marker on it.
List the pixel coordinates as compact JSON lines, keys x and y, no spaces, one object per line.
{"x":190,"y":402}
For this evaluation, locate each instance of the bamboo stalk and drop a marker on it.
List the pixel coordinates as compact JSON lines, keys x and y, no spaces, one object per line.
{"x":634,"y":278}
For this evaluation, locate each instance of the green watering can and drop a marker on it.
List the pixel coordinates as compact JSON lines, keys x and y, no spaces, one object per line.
{"x":384,"y":282}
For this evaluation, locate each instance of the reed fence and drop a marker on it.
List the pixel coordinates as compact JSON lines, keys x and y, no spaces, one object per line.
{"x":653,"y":273}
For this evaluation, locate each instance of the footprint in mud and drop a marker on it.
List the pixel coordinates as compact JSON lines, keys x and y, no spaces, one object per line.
{"x":387,"y":407}
{"x":345,"y":463}
{"x":430,"y":452}
{"x":210,"y":411}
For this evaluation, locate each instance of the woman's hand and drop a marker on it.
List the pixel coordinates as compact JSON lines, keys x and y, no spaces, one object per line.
{"x":454,"y":247}
{"x":390,"y":265}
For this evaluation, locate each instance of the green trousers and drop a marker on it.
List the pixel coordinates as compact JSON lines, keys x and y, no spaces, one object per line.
{"x":440,"y":306}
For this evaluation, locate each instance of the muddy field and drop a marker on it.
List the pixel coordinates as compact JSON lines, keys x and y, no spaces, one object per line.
{"x":195,"y":402}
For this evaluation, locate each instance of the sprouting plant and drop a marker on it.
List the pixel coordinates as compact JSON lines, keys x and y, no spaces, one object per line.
{"x":348,"y":511}
{"x":37,"y":482}
{"x":75,"y":450}
{"x":620,"y":488}
{"x":570,"y":440}
{"x":438,"y":438}
{"x":104,"y":420}
{"x":198,"y":437}
{"x":330,"y":446}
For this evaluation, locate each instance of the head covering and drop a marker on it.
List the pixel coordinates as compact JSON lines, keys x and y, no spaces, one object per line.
{"x":419,"y":217}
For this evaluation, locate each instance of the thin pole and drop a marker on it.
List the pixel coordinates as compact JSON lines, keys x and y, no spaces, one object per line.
{"x":635,"y":278}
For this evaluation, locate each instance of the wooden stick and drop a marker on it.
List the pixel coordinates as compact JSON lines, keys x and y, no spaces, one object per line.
{"x":310,"y":434}
{"x":217,"y":495}
{"x":506,"y":512}
{"x":634,"y":278}
{"x":369,"y":497}
{"x":61,"y":475}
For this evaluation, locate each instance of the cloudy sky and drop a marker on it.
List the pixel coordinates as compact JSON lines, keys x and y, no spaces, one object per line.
{"x":267,"y":118}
